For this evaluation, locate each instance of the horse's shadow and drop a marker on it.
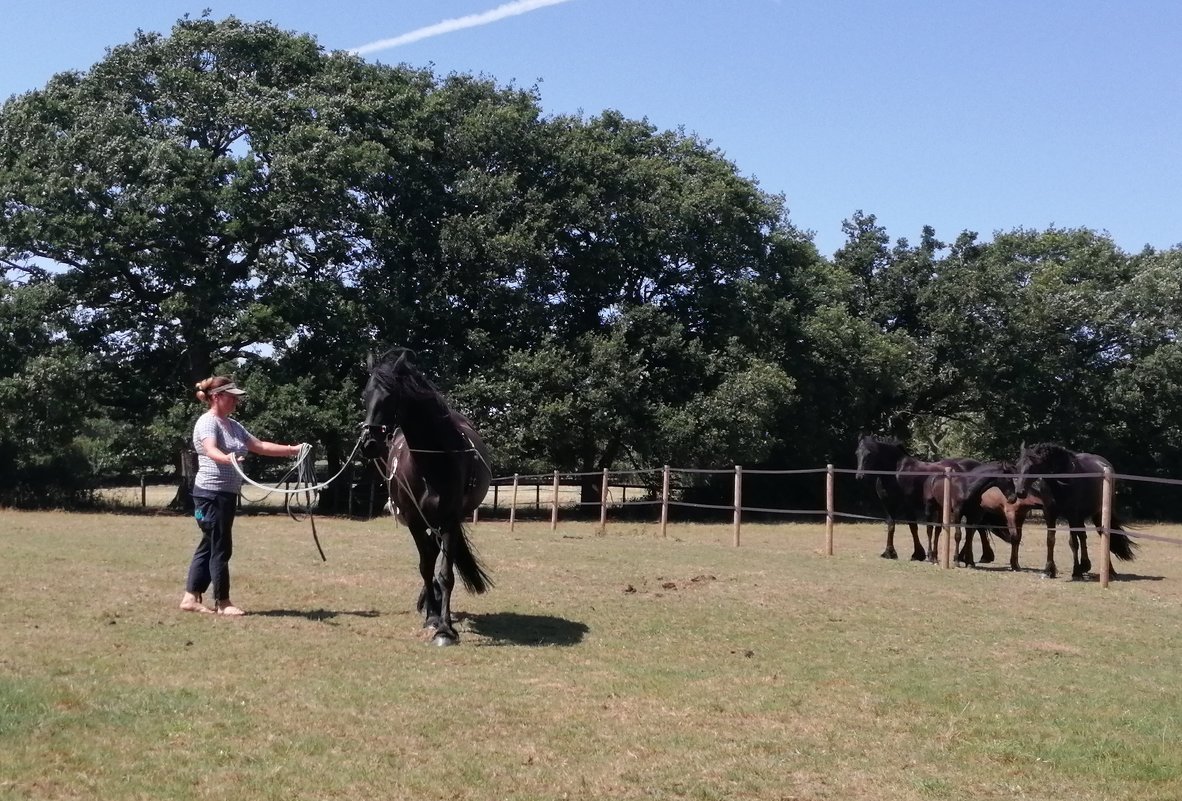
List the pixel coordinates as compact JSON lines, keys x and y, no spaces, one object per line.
{"x":321,"y":615}
{"x":1003,"y":569}
{"x":512,"y":628}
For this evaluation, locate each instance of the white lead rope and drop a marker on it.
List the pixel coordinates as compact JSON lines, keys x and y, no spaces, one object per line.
{"x":304,"y":470}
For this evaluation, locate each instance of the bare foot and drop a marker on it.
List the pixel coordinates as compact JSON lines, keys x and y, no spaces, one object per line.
{"x":192,"y":603}
{"x":227,"y":608}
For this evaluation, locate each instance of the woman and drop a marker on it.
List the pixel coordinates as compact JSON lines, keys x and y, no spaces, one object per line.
{"x":219,"y":439}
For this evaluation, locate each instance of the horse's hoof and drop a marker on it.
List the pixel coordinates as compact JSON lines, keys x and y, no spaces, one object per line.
{"x":986,"y":558}
{"x":889,"y":553}
{"x":918,"y":556}
{"x":442,"y":640}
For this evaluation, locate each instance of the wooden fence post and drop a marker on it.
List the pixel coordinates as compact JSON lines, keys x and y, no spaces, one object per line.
{"x":829,"y":510}
{"x":664,"y":500}
{"x":603,"y":503}
{"x":738,"y":501}
{"x":143,"y":490}
{"x":554,"y":505}
{"x":946,"y":545}
{"x":513,"y":503}
{"x":351,"y":484}
{"x":1106,"y":529}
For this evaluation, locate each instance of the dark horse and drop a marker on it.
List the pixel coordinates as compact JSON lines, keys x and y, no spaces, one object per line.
{"x":901,"y":483}
{"x":986,"y":503}
{"x":1074,"y":499}
{"x":437,"y":472}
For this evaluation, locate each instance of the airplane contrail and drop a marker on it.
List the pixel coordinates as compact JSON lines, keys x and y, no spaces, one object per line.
{"x":459,"y":23}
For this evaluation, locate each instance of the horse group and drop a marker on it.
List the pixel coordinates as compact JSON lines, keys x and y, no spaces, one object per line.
{"x":437,"y":472}
{"x":995,"y":496}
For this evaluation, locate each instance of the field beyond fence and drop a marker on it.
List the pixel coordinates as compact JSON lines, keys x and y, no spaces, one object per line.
{"x":620,"y":665}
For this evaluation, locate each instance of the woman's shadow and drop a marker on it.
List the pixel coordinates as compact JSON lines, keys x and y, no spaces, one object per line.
{"x":511,"y":628}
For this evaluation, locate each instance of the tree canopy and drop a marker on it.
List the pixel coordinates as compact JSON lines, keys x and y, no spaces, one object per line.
{"x":594,"y":292}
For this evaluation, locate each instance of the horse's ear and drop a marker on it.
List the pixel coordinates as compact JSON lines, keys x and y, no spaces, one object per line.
{"x":370,"y":360}
{"x":1022,"y":447}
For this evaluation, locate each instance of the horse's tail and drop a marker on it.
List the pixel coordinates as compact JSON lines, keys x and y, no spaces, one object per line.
{"x":1120,"y":544}
{"x":468,"y":565}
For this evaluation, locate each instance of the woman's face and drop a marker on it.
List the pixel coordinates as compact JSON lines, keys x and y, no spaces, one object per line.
{"x":225,"y":402}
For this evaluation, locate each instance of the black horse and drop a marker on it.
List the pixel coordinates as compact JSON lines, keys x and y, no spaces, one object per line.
{"x":900,"y":484}
{"x":437,"y":472}
{"x":1074,"y":499}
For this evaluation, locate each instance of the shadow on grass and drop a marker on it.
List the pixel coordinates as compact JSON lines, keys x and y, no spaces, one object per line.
{"x":314,"y":614}
{"x":511,"y":628}
{"x":1122,"y":576}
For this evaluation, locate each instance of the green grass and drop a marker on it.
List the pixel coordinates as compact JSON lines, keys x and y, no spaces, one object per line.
{"x":621,"y":665}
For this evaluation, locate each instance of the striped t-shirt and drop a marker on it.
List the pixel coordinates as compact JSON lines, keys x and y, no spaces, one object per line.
{"x":230,"y":437}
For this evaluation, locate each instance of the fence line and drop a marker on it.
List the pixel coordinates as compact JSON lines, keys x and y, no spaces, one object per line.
{"x":830,"y":512}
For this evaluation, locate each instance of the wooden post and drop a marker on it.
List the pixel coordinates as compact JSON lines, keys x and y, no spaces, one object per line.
{"x":351,"y":483}
{"x":513,"y":503}
{"x":143,"y":490}
{"x":829,"y":510}
{"x":1106,"y":529}
{"x":496,"y":498}
{"x":946,"y":545}
{"x":665,"y":501}
{"x":738,"y":501}
{"x":554,"y":505}
{"x":603,"y":503}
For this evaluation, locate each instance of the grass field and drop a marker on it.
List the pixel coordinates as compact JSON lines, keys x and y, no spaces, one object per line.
{"x":616,"y":665}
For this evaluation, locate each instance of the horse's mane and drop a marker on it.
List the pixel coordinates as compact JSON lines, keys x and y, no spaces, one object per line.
{"x":1044,"y":452}
{"x":397,"y":375}
{"x":877,"y":441}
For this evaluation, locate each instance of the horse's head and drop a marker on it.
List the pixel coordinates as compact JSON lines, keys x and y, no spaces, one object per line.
{"x":1005,"y":475}
{"x":862,"y":454}
{"x":382,"y":400}
{"x":1041,"y":458}
{"x":379,"y":418}
{"x":877,"y":454}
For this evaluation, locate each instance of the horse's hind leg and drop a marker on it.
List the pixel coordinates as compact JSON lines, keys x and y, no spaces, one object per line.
{"x":987,"y":554}
{"x":1079,"y":551}
{"x":917,"y":554}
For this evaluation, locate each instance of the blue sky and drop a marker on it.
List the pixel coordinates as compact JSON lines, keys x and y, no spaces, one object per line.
{"x":961,"y":114}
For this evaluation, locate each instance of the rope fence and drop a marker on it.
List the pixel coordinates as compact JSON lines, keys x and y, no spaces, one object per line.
{"x":662,"y":492}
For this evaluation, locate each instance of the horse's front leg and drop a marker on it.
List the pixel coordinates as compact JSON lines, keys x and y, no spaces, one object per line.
{"x":428,"y":602}
{"x":890,"y":552}
{"x":1015,"y":527}
{"x":1050,"y":571}
{"x":445,"y":580}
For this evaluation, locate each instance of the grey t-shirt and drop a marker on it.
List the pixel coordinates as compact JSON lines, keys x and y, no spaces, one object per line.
{"x":231,"y":437}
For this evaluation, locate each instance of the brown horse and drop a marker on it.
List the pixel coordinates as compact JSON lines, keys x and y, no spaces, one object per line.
{"x":985,"y":503}
{"x":437,"y":471}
